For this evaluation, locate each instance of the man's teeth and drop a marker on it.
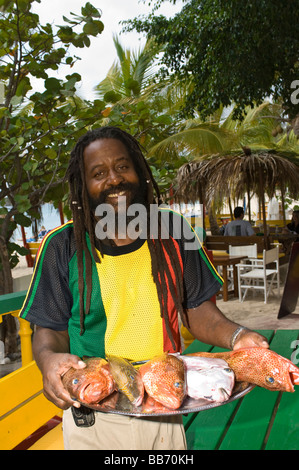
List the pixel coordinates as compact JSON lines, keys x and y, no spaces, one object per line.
{"x":117,"y":194}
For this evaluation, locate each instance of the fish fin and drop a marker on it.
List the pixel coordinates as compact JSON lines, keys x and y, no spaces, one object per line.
{"x":295,"y":377}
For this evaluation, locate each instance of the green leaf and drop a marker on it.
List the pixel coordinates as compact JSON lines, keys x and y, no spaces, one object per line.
{"x":72,"y":80}
{"x":93,"y":27}
{"x":112,"y":97}
{"x":16,"y":100}
{"x":51,"y":153}
{"x":53,"y":85}
{"x":90,"y":10}
{"x":23,"y":87}
{"x":23,"y":202}
{"x":164,"y":119}
{"x":21,"y":219}
{"x":2,"y":111}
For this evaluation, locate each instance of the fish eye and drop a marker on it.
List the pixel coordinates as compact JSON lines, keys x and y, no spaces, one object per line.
{"x":75,"y":381}
{"x":270,"y":380}
{"x":177,"y":384}
{"x":228,"y":369}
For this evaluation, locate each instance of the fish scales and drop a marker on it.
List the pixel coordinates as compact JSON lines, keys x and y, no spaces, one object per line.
{"x":260,"y":366}
{"x":128,"y":379}
{"x":91,"y":384}
{"x":164,"y":380}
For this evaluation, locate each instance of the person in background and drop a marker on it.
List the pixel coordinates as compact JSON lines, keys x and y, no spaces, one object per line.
{"x":293,"y":226}
{"x":239,"y":227}
{"x":42,"y":232}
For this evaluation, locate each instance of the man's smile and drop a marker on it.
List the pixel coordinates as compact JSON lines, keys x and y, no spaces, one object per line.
{"x":117,"y":194}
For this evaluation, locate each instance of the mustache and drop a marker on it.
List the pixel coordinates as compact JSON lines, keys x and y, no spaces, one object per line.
{"x":129,"y":187}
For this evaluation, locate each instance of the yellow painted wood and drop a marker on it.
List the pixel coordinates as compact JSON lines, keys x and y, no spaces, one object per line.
{"x":23,"y":407}
{"x":25,"y":333}
{"x":33,"y":247}
{"x":19,"y":386}
{"x":16,"y":426}
{"x":53,"y":440}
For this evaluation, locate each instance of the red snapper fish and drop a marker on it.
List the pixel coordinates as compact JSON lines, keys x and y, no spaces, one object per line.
{"x":164,"y":380}
{"x":91,"y":384}
{"x":259,"y":366}
{"x":208,"y":378}
{"x":150,"y":405}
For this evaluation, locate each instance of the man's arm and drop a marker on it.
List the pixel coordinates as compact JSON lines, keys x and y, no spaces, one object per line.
{"x":51,"y":353}
{"x":208,"y":324}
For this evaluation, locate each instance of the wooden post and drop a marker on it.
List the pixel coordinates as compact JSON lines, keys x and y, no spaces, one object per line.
{"x":25,"y":333}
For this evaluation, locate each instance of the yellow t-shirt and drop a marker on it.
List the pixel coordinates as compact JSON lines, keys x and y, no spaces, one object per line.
{"x":134,"y":325}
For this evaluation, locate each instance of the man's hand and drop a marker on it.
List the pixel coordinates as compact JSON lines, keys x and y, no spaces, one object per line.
{"x":54,"y":367}
{"x":51,"y":352}
{"x":208,"y":324}
{"x":250,"y":339}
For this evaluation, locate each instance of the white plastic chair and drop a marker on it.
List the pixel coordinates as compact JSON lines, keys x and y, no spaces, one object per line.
{"x":246,"y":250}
{"x":241,"y":250}
{"x":258,"y":276}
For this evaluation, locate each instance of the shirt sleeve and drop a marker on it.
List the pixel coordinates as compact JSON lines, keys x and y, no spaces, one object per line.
{"x":48,"y":302}
{"x":250,"y":230}
{"x":201,"y":279}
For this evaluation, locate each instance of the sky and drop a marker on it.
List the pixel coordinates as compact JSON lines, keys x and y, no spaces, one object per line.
{"x":99,"y":57}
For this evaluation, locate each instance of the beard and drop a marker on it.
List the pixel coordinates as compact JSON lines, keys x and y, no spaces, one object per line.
{"x":136,"y":194}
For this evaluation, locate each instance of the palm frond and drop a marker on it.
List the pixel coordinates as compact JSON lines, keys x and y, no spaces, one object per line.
{"x":193,"y":141}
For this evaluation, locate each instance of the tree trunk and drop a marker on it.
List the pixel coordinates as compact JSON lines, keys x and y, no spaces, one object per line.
{"x":8,"y":329}
{"x":248,"y":203}
{"x":7,"y":286}
{"x":262,"y":199}
{"x":283,"y":206}
{"x":230,"y":208}
{"x":213,"y":223}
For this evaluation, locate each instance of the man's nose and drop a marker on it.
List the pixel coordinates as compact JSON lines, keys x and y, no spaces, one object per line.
{"x":114,"y":178}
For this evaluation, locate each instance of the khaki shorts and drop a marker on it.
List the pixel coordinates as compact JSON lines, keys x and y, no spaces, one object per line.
{"x":120,"y":432}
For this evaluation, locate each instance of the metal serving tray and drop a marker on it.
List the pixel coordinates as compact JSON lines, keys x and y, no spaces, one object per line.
{"x":118,"y":403}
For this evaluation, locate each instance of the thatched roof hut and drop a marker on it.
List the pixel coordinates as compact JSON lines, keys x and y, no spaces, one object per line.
{"x":235,"y":174}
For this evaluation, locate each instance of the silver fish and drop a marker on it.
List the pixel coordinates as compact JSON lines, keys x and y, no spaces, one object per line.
{"x":211,"y":380}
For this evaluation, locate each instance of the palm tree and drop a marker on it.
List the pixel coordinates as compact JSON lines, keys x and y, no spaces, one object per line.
{"x":131,"y":74}
{"x":236,"y":173}
{"x":263,"y":165}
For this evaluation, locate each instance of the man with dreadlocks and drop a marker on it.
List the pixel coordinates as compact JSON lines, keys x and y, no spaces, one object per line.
{"x":117,"y":293}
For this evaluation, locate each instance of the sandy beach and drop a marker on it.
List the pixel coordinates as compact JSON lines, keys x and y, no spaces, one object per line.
{"x":255,"y":314}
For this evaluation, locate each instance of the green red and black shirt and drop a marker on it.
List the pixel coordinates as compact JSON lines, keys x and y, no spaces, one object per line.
{"x":124,"y":317}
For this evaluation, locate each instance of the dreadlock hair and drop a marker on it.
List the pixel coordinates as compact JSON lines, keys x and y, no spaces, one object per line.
{"x":84,"y":221}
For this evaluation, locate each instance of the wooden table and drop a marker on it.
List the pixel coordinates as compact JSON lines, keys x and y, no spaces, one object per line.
{"x":225,"y":261}
{"x":261,"y":420}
